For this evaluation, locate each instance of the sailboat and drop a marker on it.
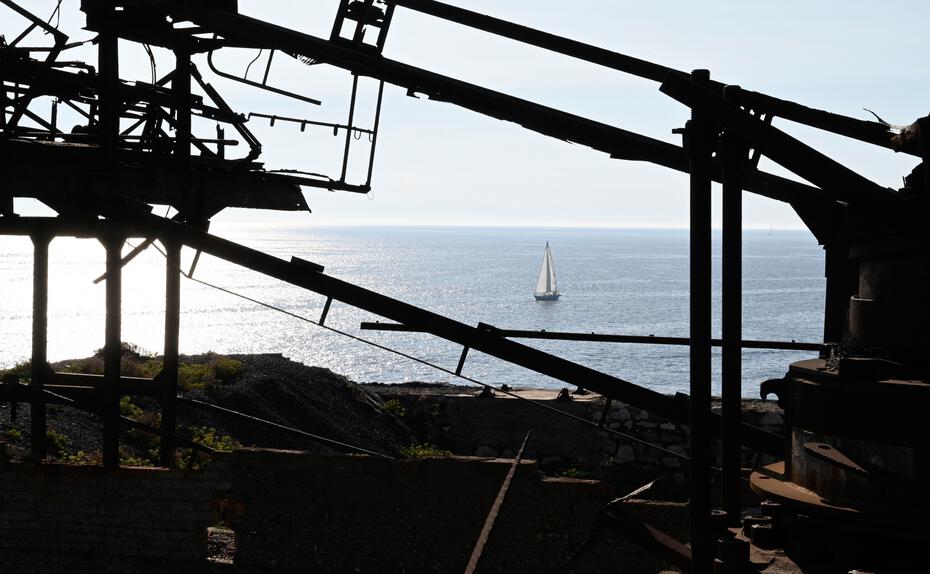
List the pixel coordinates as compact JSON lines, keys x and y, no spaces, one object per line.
{"x":546,"y":287}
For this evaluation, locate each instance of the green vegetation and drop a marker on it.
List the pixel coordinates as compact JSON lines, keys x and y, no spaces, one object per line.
{"x":193,"y":376}
{"x":208,"y":437}
{"x":424,"y":450}
{"x":128,"y":409}
{"x":81,"y":457}
{"x":214,"y":439}
{"x":137,"y":362}
{"x":13,"y":434}
{"x":23,"y":369}
{"x":394,"y":407}
{"x":574,"y":473}
{"x":55,"y":442}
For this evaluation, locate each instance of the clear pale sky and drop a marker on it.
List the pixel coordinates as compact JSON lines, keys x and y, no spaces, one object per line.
{"x":439,"y":164}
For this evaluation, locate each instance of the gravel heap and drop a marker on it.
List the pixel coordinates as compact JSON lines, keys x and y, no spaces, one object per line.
{"x":268,"y":386}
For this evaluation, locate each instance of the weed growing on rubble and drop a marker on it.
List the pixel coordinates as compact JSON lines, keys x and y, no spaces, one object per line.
{"x":424,"y":450}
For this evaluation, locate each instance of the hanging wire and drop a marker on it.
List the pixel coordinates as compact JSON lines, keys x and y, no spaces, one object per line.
{"x":247,"y":68}
{"x":438,"y":367}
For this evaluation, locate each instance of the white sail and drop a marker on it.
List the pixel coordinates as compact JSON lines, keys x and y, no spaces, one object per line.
{"x":546,"y":284}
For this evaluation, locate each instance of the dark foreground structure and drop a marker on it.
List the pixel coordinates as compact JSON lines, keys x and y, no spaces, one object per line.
{"x":851,"y":490}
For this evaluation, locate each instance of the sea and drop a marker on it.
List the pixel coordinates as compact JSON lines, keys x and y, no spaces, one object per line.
{"x":613,"y":281}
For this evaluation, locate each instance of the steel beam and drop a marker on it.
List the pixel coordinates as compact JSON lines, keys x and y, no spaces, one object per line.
{"x":147,"y":225}
{"x":839,"y":181}
{"x":112,"y":350}
{"x":698,"y":140}
{"x":868,"y":131}
{"x":610,"y":338}
{"x":39,"y":344}
{"x":243,"y":31}
{"x":734,"y":155}
{"x":168,"y":378}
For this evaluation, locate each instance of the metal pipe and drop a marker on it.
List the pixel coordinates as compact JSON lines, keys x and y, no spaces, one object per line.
{"x":374,"y":134}
{"x":607,"y":338}
{"x":349,"y":124}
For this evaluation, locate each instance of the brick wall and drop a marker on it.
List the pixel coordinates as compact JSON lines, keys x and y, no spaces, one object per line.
{"x":63,"y":518}
{"x":297,"y":512}
{"x":362,"y":514}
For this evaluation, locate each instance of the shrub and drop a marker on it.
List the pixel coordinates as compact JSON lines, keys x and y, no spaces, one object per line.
{"x":83,"y":458}
{"x":574,"y":473}
{"x":212,"y":438}
{"x":194,"y":376}
{"x":225,"y":369}
{"x":13,"y":434}
{"x":394,"y":407}
{"x":22,"y":368}
{"x":128,"y":409}
{"x":424,"y":450}
{"x":55,"y":442}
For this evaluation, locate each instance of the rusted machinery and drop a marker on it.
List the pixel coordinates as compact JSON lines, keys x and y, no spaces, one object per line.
{"x":856,"y":459}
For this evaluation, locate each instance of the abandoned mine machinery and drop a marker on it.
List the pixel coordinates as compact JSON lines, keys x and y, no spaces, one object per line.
{"x":850,"y":489}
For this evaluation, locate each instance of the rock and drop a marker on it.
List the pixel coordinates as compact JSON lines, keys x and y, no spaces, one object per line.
{"x":487,"y":451}
{"x":671,"y":462}
{"x":771,"y":418}
{"x":646,"y":425}
{"x":648,"y":459}
{"x":678,"y":449}
{"x":550,"y":463}
{"x":625,"y":453}
{"x":668,"y":426}
{"x":620,"y":413}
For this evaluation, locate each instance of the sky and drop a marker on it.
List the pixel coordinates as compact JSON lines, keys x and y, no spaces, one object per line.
{"x":438,"y":164}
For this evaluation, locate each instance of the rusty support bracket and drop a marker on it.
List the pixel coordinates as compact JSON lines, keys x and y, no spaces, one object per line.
{"x":495,"y":509}
{"x":329,"y":301}
{"x":461,"y":365}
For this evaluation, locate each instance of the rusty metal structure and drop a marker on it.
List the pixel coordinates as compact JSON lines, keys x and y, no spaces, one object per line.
{"x":859,"y":485}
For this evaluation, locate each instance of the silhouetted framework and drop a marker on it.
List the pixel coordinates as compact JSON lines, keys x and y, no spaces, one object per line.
{"x":856,"y":479}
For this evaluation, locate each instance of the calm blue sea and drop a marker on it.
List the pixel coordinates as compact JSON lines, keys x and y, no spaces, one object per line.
{"x":612,"y":281}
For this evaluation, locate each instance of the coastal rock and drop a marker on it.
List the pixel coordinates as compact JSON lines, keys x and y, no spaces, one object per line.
{"x":625,"y":454}
{"x":771,"y":418}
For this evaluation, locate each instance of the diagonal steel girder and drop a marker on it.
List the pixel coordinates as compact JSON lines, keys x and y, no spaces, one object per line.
{"x":483,"y":340}
{"x":243,"y":31}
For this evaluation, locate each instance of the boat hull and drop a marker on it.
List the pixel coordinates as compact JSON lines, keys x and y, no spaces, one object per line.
{"x":546,"y":296}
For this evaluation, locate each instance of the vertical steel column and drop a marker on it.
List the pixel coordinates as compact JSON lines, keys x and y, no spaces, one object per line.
{"x":112,"y":351}
{"x":698,"y":142}
{"x":39,"y":343}
{"x":841,"y":284}
{"x":169,"y":374}
{"x":181,"y":90}
{"x":734,"y":154}
{"x":109,"y":103}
